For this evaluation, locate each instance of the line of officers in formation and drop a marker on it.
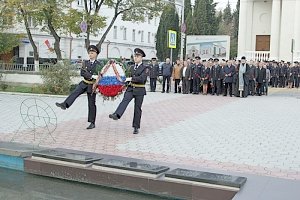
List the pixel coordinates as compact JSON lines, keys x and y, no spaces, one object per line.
{"x":226,"y":77}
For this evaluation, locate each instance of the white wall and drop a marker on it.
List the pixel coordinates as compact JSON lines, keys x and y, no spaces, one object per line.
{"x":256,"y":18}
{"x":287,"y":29}
{"x":261,"y":25}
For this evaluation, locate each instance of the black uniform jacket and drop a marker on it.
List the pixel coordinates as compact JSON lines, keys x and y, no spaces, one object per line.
{"x":139,"y":77}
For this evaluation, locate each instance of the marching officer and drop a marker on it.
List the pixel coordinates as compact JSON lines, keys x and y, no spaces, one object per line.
{"x":136,"y":89}
{"x":87,"y":71}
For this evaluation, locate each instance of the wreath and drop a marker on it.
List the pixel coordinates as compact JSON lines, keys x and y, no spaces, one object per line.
{"x":112,"y":83}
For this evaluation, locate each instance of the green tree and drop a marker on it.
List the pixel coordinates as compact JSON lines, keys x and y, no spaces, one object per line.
{"x":226,"y":21}
{"x":212,"y":20}
{"x":200,"y":18}
{"x":187,"y":8}
{"x":169,"y":21}
{"x":234,"y":40}
{"x":236,"y":15}
{"x":7,"y":41}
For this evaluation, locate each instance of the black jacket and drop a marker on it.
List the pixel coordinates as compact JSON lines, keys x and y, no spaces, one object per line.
{"x":139,"y":76}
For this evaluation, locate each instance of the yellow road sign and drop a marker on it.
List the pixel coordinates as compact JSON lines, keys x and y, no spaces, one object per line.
{"x":172,"y":38}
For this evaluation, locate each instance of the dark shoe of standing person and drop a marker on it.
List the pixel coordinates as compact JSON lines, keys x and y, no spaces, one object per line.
{"x":135,"y":131}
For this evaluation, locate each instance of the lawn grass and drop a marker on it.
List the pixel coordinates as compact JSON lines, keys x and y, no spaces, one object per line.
{"x":21,"y":89}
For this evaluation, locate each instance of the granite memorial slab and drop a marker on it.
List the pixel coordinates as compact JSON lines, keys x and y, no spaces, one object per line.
{"x":17,"y":149}
{"x":207,"y":177}
{"x":60,"y":155}
{"x":131,"y":166}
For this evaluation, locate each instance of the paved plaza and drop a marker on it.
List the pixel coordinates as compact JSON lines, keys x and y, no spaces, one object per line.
{"x":254,"y":135}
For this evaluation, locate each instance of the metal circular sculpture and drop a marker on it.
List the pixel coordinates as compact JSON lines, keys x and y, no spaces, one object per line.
{"x":38,"y":116}
{"x":112,"y":83}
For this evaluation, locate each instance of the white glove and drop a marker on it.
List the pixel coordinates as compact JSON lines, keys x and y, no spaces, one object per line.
{"x":94,"y":76}
{"x":128,"y":79}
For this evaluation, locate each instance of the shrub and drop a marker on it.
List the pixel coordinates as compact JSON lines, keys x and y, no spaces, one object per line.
{"x":57,"y":78}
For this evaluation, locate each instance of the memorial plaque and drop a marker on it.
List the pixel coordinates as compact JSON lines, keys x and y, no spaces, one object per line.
{"x":17,"y":149}
{"x":207,"y":177}
{"x":132,"y":166}
{"x":66,"y":156}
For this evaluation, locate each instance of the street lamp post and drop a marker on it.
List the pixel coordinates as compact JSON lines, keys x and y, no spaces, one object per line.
{"x":183,"y":29}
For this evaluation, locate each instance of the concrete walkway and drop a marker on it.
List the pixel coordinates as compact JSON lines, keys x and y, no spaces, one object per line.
{"x":254,"y":135}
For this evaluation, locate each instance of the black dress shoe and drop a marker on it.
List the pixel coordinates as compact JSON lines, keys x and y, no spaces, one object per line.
{"x":113,"y":116}
{"x":135,"y":131}
{"x":61,"y":105}
{"x":91,"y":126}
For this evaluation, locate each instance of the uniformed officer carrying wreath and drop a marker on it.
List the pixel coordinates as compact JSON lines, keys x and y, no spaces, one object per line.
{"x":86,"y":85}
{"x":136,"y":89}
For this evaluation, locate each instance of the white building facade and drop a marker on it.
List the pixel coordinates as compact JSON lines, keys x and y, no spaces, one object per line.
{"x":267,"y":29}
{"x":121,"y":40}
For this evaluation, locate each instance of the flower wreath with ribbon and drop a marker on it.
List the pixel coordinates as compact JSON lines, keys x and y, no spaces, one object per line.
{"x":112,"y":82}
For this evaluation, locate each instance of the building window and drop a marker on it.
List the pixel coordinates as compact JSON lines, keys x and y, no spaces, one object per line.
{"x":80,"y":2}
{"x":155,"y":21}
{"x":31,"y":22}
{"x":115,"y":32}
{"x":142,"y":36}
{"x":149,"y":37}
{"x":124,"y":33}
{"x":133,"y":35}
{"x":149,"y":20}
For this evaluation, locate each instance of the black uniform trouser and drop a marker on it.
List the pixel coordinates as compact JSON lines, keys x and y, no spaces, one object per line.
{"x":282,"y":81}
{"x":251,"y":87}
{"x":196,"y":85}
{"x":138,"y":101}
{"x":217,"y":87}
{"x":153,"y":84}
{"x":226,"y":89}
{"x":166,"y":78}
{"x":191,"y":85}
{"x":260,"y":88}
{"x":80,"y":89}
{"x":296,"y":81}
{"x":177,"y":81}
{"x":274,"y":81}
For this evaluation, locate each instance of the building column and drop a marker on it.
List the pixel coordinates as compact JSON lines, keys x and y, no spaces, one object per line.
{"x":297,"y":32}
{"x":242,"y":29}
{"x":275,"y":30}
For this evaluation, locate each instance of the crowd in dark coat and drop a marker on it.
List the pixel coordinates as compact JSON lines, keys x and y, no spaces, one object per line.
{"x":229,"y":78}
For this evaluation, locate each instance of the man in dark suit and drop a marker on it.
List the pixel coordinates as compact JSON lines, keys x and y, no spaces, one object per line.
{"x":196,"y":74}
{"x":260,"y":78}
{"x":216,"y":75}
{"x":153,"y":74}
{"x":252,"y":78}
{"x":136,"y":89}
{"x":228,"y":71}
{"x":88,"y":72}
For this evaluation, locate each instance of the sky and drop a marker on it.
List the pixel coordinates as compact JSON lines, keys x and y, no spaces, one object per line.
{"x":222,"y":4}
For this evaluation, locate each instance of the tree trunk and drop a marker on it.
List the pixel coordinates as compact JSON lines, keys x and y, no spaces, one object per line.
{"x":56,"y":37}
{"x":107,"y":31}
{"x":35,"y":50}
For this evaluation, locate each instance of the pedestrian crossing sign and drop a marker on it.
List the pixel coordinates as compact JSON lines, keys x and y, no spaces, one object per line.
{"x":172,"y":39}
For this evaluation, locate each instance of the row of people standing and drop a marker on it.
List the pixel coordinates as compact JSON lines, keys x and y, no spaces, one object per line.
{"x":236,"y":78}
{"x":284,"y":74}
